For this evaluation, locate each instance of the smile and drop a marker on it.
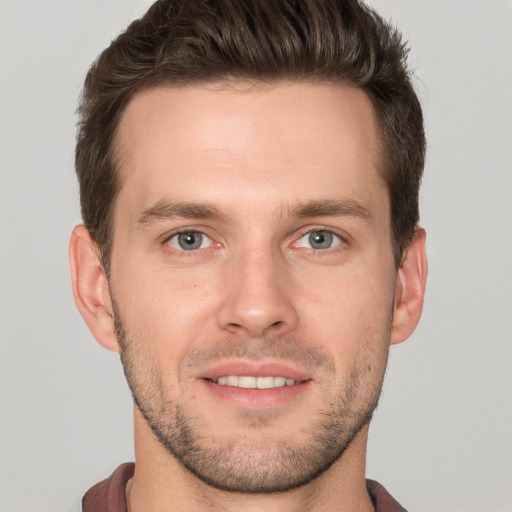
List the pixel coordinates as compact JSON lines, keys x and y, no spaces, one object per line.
{"x":249,"y":382}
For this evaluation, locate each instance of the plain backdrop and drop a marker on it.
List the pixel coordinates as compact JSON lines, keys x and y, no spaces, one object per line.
{"x":442,"y":437}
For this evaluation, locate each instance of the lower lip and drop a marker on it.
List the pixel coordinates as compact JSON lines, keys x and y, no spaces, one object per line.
{"x":257,"y":399}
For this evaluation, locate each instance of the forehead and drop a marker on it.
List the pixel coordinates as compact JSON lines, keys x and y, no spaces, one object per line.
{"x":255,"y":145}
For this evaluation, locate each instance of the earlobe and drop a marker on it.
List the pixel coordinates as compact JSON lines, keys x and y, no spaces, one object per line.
{"x":90,"y":288}
{"x":410,"y":288}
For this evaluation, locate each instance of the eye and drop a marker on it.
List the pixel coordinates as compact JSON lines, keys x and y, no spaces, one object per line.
{"x":319,"y":239}
{"x":189,"y":241}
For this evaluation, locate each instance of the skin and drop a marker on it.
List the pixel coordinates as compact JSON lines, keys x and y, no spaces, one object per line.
{"x":263,"y":166}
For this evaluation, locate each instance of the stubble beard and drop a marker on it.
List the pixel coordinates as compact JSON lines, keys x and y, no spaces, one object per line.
{"x":247,"y":465}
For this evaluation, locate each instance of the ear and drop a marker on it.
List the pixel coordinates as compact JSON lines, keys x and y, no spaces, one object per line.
{"x":410,"y":288}
{"x":90,"y":288}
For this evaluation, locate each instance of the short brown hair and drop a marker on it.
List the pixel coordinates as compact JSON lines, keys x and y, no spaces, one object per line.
{"x":194,"y":41}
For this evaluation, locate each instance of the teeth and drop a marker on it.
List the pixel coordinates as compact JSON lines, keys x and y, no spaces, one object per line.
{"x":265,"y":382}
{"x":279,"y":382}
{"x":248,"y":382}
{"x":232,"y":380}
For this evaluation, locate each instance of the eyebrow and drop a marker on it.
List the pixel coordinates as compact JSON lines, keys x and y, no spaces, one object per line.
{"x":332,"y":208}
{"x":168,"y":210}
{"x":164,"y":210}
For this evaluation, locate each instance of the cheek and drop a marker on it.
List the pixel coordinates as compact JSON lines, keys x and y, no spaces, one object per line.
{"x":350,"y":315}
{"x":168,"y":311}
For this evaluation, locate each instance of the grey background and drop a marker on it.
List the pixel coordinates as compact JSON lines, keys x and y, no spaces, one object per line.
{"x":442,"y":437}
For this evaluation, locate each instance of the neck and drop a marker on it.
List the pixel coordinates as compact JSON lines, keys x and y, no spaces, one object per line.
{"x":162,"y":484}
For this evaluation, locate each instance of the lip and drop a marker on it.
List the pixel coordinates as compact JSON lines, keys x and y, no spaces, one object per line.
{"x":255,"y":399}
{"x":255,"y":369}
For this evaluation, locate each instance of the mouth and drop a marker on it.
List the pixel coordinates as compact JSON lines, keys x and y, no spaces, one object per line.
{"x":254,"y":385}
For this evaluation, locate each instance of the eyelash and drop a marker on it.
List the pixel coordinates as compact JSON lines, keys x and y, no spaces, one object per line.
{"x":342,"y":240}
{"x":317,"y":229}
{"x":184,"y":252}
{"x":326,"y":238}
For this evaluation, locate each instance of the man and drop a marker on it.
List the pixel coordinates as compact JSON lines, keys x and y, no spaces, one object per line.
{"x":249,"y":174}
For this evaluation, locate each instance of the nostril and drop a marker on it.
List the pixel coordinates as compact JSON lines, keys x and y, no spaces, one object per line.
{"x":255,"y":316}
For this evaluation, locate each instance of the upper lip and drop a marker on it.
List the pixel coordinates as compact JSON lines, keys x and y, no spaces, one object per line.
{"x":254,"y":369}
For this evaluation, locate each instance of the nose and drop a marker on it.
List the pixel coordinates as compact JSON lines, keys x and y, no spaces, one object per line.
{"x":257,"y":296}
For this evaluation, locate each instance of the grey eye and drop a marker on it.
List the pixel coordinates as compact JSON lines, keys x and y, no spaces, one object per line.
{"x":189,"y":241}
{"x":320,"y":239}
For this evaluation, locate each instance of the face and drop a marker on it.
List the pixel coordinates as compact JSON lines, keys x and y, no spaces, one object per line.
{"x":252,"y":276}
